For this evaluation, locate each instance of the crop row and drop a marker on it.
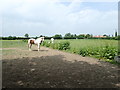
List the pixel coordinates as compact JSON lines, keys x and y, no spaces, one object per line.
{"x":106,"y":52}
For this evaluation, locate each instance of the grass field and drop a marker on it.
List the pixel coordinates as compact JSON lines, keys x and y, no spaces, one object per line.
{"x":86,"y":47}
{"x":13,"y":44}
{"x":85,"y":43}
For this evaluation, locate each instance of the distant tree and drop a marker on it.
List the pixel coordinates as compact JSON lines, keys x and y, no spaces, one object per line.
{"x":87,"y":36}
{"x":10,"y":38}
{"x":68,"y":36}
{"x":41,"y":35}
{"x":105,"y":35}
{"x":26,"y":35}
{"x":75,"y":36}
{"x":14,"y":37}
{"x":46,"y":37}
{"x":57,"y":36}
{"x":72,"y":36}
{"x":81,"y":36}
{"x":116,"y":34}
{"x":36,"y":37}
{"x":91,"y":35}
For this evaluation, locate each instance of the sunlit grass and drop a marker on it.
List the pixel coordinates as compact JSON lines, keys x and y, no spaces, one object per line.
{"x":85,"y":43}
{"x":13,"y":44}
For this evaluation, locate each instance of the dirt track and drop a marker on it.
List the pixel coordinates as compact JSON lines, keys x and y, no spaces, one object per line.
{"x":50,"y":68}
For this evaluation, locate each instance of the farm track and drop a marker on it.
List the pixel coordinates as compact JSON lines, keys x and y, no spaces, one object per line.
{"x":50,"y":68}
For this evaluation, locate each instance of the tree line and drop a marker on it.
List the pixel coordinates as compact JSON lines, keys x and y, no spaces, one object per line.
{"x":66,"y":36}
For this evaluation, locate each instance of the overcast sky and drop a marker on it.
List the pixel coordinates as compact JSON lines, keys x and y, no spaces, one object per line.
{"x":45,"y":17}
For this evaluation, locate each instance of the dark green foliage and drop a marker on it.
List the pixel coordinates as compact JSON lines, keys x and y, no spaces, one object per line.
{"x":26,"y":35}
{"x":116,"y":34}
{"x":63,"y":45}
{"x":47,"y":44}
{"x":106,"y":52}
{"x":81,"y":36}
{"x":11,"y":38}
{"x":88,"y":36}
{"x":57,"y":36}
{"x":70,"y":36}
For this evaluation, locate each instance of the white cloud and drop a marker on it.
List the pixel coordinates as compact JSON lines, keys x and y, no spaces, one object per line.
{"x":38,"y":17}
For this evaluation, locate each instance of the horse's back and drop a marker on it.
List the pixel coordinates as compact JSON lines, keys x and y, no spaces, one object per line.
{"x":31,"y":41}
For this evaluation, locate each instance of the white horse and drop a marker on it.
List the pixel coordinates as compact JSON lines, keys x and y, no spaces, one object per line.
{"x":52,"y":40}
{"x":37,"y":41}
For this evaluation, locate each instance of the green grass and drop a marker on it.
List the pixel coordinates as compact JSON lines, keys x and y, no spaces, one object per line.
{"x":13,"y":44}
{"x":92,"y":44}
{"x":74,"y":44}
{"x":97,"y":48}
{"x":85,"y":43}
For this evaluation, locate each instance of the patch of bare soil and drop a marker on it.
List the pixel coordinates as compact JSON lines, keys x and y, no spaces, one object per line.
{"x":50,"y":68}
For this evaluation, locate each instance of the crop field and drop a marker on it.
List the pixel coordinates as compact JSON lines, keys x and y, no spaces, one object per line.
{"x":101,"y":49}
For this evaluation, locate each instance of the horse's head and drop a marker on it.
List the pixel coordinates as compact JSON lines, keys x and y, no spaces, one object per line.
{"x":42,"y":39}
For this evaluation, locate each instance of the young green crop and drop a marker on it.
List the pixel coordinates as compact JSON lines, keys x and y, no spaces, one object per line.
{"x":101,"y":49}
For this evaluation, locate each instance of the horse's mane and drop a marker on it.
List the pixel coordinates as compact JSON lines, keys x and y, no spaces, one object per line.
{"x":39,"y":38}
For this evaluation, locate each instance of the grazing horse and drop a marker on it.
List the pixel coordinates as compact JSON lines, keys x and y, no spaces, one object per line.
{"x":37,"y":41}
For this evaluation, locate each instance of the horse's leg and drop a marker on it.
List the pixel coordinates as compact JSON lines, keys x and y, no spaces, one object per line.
{"x":38,"y":47}
{"x":30,"y":47}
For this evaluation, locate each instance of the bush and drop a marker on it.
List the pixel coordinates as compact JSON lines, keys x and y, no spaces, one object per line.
{"x":44,"y":43}
{"x":64,"y":45}
{"x":106,"y":52}
{"x":47,"y":44}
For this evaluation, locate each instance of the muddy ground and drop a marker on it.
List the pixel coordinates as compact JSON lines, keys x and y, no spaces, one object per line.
{"x":50,"y":68}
